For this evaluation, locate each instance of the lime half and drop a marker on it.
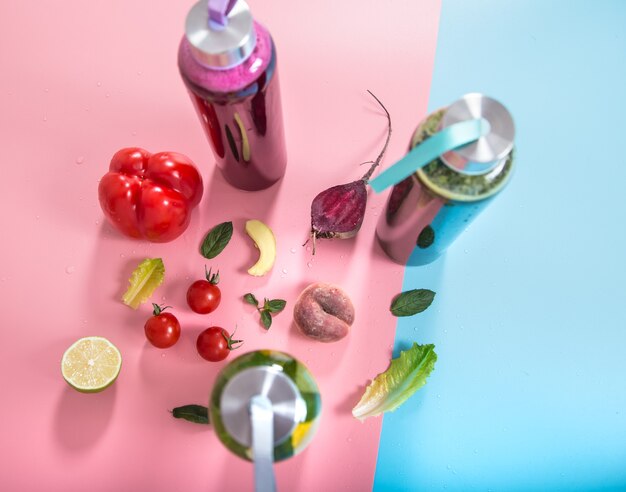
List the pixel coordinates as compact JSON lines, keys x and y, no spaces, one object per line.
{"x":91,"y":364}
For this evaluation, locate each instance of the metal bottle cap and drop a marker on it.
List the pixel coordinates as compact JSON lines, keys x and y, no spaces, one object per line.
{"x":288,"y":406}
{"x":221,"y":46}
{"x":488,"y":151}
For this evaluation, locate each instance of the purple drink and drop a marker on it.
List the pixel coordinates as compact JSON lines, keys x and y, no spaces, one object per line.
{"x":230,"y":73}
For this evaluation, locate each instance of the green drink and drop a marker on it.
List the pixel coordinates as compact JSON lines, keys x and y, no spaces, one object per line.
{"x":428,"y":210}
{"x":290,"y":389}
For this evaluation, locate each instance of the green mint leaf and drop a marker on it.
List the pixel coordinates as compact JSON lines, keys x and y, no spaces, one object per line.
{"x":426,"y":237}
{"x":193,"y":413}
{"x":266,"y":319}
{"x":250,"y":299}
{"x":412,"y":302}
{"x":275,"y":305}
{"x":216,"y":240}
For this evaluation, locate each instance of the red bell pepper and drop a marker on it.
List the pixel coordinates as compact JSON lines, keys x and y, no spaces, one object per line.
{"x":150,"y":196}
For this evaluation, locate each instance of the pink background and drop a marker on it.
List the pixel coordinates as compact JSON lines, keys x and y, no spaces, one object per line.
{"x":83,"y":79}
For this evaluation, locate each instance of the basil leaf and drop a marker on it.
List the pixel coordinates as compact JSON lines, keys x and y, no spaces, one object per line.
{"x":412,"y":302}
{"x":426,"y":237}
{"x":250,"y":299}
{"x":266,"y":319}
{"x":193,"y":413}
{"x":216,"y":240}
{"x":275,"y":305}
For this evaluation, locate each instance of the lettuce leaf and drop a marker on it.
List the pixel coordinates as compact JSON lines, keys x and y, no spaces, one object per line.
{"x":143,"y":281}
{"x":392,"y":388}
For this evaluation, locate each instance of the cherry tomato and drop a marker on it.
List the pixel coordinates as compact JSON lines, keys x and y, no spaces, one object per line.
{"x":203,"y":296}
{"x":162,"y":329}
{"x":215,"y":343}
{"x":148,"y":195}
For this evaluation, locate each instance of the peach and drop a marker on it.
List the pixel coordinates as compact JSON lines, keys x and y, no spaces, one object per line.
{"x":324,"y":312}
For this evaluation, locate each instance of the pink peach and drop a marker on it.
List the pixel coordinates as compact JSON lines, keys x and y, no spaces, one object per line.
{"x":324,"y":312}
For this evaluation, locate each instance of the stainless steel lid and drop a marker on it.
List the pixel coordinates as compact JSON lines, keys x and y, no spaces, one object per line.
{"x":221,"y":45}
{"x":489,"y":150}
{"x":288,"y":406}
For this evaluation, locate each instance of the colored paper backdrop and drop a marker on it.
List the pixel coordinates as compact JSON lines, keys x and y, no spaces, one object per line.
{"x":81,"y":80}
{"x":529,"y":392}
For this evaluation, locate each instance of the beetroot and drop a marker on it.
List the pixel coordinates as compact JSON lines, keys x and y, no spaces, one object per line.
{"x":338,"y":211}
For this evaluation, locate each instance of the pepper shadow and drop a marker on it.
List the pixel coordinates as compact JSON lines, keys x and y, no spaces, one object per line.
{"x":81,"y":419}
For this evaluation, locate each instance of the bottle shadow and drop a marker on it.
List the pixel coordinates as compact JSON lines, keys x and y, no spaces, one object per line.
{"x":223,"y":202}
{"x":81,"y":419}
{"x":241,"y":203}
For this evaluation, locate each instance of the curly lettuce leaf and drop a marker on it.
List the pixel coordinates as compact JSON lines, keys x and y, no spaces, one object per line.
{"x":143,"y":281}
{"x":392,"y":388}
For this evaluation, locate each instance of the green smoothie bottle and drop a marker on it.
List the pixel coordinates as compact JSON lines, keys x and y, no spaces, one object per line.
{"x":430,"y":208}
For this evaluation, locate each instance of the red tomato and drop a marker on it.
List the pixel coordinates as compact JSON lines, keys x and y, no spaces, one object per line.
{"x":150,"y":196}
{"x":203,"y":296}
{"x":214,"y":344}
{"x":162,"y":329}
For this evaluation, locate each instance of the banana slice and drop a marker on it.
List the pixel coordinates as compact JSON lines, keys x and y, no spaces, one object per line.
{"x":265,"y":242}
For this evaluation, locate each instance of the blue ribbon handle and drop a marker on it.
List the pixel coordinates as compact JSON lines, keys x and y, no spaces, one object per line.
{"x":449,"y":138}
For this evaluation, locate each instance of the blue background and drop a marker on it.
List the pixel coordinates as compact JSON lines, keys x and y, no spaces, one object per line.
{"x":529,"y":392}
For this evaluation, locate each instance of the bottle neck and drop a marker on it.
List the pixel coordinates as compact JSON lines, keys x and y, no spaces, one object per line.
{"x":221,"y":46}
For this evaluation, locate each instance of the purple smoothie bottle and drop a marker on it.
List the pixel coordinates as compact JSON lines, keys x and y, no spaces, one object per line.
{"x":228,"y":63}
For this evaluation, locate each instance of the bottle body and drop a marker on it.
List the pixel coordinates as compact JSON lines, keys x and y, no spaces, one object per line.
{"x":427,"y":211}
{"x":240,"y":111}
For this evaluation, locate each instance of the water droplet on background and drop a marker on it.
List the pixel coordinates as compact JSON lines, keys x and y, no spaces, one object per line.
{"x":99,"y":84}
{"x":308,"y":248}
{"x":162,"y":355}
{"x":80,"y":159}
{"x":122,"y":255}
{"x":70,"y":269}
{"x":309,"y":264}
{"x":284,"y":271}
{"x":293,"y":250}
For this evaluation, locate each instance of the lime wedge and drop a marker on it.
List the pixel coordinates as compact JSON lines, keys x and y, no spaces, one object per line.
{"x":91,"y":364}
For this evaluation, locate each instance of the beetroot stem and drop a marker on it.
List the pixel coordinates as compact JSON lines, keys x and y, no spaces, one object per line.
{"x":368,"y":174}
